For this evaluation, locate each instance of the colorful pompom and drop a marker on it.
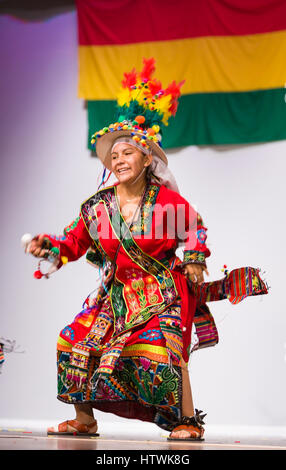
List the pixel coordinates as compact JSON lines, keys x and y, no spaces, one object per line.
{"x":38,"y":274}
{"x":140,"y":119}
{"x":156,"y":128}
{"x":224,"y":270}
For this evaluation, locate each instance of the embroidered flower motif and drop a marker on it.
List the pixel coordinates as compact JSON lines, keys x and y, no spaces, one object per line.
{"x":169,"y":293}
{"x":151,"y":335}
{"x":109,"y":198}
{"x":132,"y":273}
{"x":68,"y":332}
{"x":202,"y":236}
{"x":119,"y":325}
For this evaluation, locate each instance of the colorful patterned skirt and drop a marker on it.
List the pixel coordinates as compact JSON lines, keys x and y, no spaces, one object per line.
{"x":137,"y":374}
{"x":145,"y":382}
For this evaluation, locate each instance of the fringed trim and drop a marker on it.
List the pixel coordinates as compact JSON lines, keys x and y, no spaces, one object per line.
{"x":171,"y":361}
{"x":263,"y":279}
{"x":95,"y":379}
{"x":76,"y":376}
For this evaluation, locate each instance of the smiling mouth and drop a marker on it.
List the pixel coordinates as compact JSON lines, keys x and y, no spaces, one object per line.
{"x":122,"y":170}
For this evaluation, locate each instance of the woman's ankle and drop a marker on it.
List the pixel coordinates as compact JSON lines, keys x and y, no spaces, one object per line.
{"x":84,"y":414}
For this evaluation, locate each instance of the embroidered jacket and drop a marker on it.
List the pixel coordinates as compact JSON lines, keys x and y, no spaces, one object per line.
{"x":146,"y":276}
{"x":165,"y":221}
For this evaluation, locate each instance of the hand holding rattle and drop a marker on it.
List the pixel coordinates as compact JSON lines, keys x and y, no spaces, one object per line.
{"x":41,"y":247}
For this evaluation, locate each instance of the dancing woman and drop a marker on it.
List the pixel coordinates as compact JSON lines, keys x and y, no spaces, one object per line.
{"x":127,"y":351}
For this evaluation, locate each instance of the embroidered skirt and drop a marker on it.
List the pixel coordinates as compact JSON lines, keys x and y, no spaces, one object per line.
{"x":137,"y":374}
{"x":145,"y":382}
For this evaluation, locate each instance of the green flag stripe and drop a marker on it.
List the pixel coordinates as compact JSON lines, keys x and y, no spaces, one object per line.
{"x":213,"y":118}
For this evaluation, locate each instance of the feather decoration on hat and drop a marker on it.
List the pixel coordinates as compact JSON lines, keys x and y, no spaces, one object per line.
{"x":143,"y":107}
{"x":141,"y":94}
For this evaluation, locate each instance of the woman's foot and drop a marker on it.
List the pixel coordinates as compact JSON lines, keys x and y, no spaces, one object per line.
{"x":186,"y":433}
{"x":74,"y":427}
{"x":189,"y":429}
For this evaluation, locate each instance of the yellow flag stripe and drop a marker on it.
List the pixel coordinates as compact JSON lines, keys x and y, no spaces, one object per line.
{"x":208,"y":64}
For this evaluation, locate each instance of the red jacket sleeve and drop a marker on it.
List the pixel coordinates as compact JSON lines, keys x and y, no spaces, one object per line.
{"x":74,"y":242}
{"x":191,"y":230}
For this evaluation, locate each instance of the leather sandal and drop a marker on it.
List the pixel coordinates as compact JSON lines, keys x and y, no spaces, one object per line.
{"x":79,"y":429}
{"x":191,"y":424}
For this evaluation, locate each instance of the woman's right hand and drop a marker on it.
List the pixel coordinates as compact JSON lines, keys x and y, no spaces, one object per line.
{"x":195,"y":272}
{"x":36,"y":247}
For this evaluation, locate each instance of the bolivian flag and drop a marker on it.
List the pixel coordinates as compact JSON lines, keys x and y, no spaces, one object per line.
{"x":231,"y":54}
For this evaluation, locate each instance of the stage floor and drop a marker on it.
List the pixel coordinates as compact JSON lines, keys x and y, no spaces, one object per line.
{"x":20,"y":439}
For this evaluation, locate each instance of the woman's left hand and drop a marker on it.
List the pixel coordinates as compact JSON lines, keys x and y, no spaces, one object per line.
{"x":195,"y":272}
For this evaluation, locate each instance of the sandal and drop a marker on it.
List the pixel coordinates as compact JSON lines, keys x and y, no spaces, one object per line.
{"x":191,"y":424}
{"x":79,"y":429}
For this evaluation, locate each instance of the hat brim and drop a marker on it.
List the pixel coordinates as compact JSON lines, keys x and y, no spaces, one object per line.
{"x":105,"y":143}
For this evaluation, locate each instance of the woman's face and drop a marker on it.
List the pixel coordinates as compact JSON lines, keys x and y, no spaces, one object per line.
{"x":128,"y":162}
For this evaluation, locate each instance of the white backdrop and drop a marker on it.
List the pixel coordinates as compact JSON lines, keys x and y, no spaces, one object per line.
{"x":47,"y":171}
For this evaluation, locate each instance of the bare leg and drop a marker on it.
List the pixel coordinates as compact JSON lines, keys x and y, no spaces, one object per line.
{"x":187,"y":400}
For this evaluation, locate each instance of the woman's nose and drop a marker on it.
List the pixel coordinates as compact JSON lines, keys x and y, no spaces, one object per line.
{"x":120,"y":158}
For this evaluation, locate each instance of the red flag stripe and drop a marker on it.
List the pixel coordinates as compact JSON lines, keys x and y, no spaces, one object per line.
{"x":102,"y":22}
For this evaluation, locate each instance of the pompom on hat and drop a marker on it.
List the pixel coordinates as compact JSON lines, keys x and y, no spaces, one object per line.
{"x":143,"y":108}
